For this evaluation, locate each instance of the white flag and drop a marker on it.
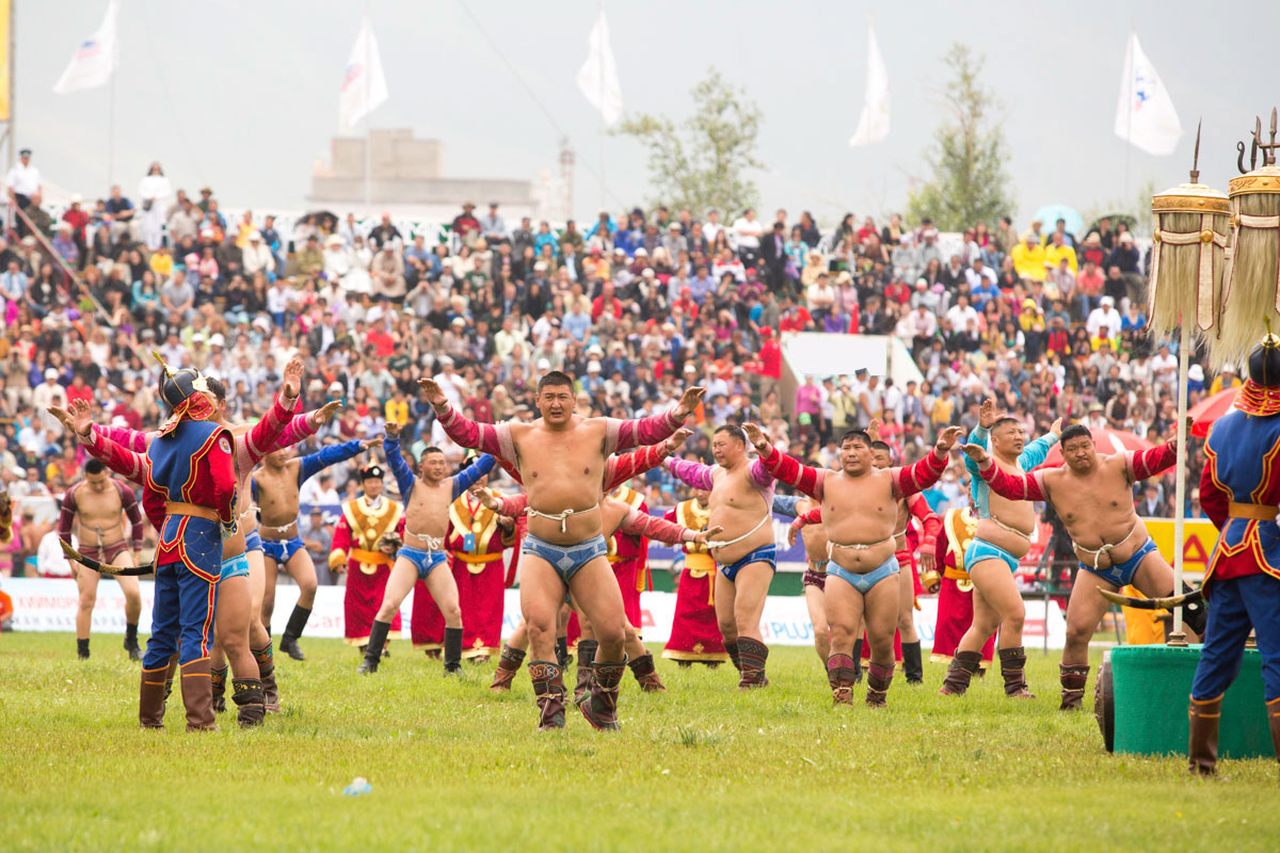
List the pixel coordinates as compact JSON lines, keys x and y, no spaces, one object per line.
{"x":1145,"y":116}
{"x":873,"y":124}
{"x":94,"y":59}
{"x":364,"y":86}
{"x":598,"y":77}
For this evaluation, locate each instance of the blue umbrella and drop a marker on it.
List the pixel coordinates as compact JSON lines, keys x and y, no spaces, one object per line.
{"x":1051,"y":213}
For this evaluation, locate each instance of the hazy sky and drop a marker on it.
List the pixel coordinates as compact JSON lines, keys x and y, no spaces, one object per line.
{"x":243,"y":95}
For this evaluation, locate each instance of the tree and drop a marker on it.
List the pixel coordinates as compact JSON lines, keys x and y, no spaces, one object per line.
{"x":969,"y":183}
{"x":703,"y":164}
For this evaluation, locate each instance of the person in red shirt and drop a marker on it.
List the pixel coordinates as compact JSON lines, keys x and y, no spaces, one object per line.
{"x":382,"y":342}
{"x":78,"y":390}
{"x":606,"y":301}
{"x":795,"y":318}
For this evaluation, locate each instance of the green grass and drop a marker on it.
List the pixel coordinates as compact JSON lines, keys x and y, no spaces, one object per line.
{"x":699,"y":767}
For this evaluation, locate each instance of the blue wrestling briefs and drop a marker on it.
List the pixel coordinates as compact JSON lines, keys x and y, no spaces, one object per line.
{"x":567,"y":560}
{"x":234,"y":567}
{"x":1121,"y":574}
{"x":863,"y":583}
{"x":252,"y":541}
{"x":763,"y":554}
{"x":281,"y":550}
{"x":981,"y":549}
{"x":423,"y":561}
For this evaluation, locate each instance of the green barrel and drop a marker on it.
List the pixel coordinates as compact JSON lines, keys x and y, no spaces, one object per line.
{"x":1150,"y":686}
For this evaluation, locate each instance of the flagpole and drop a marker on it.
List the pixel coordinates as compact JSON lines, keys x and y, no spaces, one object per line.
{"x":13,"y":89}
{"x":600,"y":68}
{"x":368,"y":116}
{"x":1128,"y":133}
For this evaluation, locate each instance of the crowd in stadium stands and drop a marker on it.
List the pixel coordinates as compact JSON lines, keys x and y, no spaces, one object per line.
{"x":635,"y":305}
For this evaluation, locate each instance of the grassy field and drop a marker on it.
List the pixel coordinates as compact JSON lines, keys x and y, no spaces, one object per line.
{"x":699,"y":767}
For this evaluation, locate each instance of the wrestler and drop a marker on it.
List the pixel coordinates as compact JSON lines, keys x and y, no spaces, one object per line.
{"x":1094,"y":497}
{"x":814,"y":537}
{"x":1004,"y":537}
{"x":860,"y":515}
{"x":427,"y":498}
{"x":564,"y":546}
{"x":100,"y":503}
{"x":741,"y":503}
{"x":275,"y":489}
{"x":618,"y":469}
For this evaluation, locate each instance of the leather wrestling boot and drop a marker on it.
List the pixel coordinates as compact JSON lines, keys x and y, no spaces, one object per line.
{"x":840,"y":677}
{"x":218,"y":678}
{"x":508,"y":665}
{"x":752,"y":654}
{"x":151,"y":695}
{"x":1074,"y":677}
{"x":197,"y":696}
{"x":548,"y":690}
{"x":600,"y":706}
{"x":879,"y":677}
{"x":267,"y":675}
{"x":646,"y":674}
{"x":1203,"y":716}
{"x":959,"y":673}
{"x":586,"y":657}
{"x":1013,"y":665}
{"x":248,"y":696}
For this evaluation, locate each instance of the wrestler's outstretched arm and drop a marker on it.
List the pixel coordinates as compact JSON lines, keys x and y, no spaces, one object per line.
{"x":621,"y":467}
{"x":625,"y":434}
{"x":469,"y":476}
{"x":314,"y":463}
{"x":494,"y":439}
{"x":263,"y":436}
{"x":1019,"y":486}
{"x":1141,"y":464}
{"x":912,"y":479}
{"x":929,"y":520}
{"x":399,"y":466}
{"x":785,"y":468}
{"x":637,"y":523}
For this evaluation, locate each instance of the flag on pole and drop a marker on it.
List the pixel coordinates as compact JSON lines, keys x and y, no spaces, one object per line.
{"x":1145,"y":116}
{"x":94,"y":60}
{"x":364,"y":86}
{"x":873,"y":124}
{"x":598,"y":77}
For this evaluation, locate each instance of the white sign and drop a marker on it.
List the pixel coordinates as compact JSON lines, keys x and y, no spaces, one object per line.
{"x":46,"y":604}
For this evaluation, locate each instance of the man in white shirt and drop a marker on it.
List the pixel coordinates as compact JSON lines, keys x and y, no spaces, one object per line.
{"x":747,"y":233}
{"x":1164,"y":367}
{"x":962,"y":313}
{"x":23,"y":181}
{"x":451,"y":383}
{"x":712,"y":226}
{"x":1104,"y":322}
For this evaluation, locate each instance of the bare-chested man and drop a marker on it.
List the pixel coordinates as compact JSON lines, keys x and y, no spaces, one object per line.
{"x":860,"y":515}
{"x":98,"y":506}
{"x":618,"y":469}
{"x":1093,"y":495}
{"x":1003,"y":538}
{"x":427,"y":498}
{"x":814,"y":582}
{"x":741,"y":504}
{"x":275,"y":488}
{"x":561,"y":458}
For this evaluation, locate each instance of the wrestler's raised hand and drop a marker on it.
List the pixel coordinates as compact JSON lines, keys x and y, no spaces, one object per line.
{"x":81,"y":418}
{"x":63,"y":416}
{"x":292,"y":385}
{"x":702,"y":537}
{"x":327,"y":412}
{"x":759,"y":440}
{"x":873,"y":429}
{"x":977,"y":453}
{"x":1056,"y":428}
{"x":678,"y":438}
{"x":370,"y":443}
{"x":987,"y":414}
{"x":435,"y":396}
{"x":392,"y":430}
{"x":689,"y":401}
{"x":489,"y":501}
{"x":947,"y":439}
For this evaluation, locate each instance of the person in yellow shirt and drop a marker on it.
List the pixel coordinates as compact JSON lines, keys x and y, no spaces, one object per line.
{"x":396,"y":411}
{"x":1056,"y":251}
{"x":1028,"y":258}
{"x":1224,"y":380}
{"x":161,"y":263}
{"x":244,"y":229}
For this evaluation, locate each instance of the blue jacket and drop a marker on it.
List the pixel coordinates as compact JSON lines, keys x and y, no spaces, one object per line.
{"x":1032,"y":456}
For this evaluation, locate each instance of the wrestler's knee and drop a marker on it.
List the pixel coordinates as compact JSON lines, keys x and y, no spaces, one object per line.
{"x":632,"y":634}
{"x":1078,"y":633}
{"x":88,"y":599}
{"x":838,"y":635}
{"x":452,"y":614}
{"x":1014,"y":621}
{"x":728,"y":629}
{"x":821,"y":635}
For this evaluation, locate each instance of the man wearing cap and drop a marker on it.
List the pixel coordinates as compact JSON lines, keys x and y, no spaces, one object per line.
{"x":1239,"y":490}
{"x":23,"y":185}
{"x":275,"y":489}
{"x":365,"y":541}
{"x":427,"y":498}
{"x":1104,"y":323}
{"x":189,"y":469}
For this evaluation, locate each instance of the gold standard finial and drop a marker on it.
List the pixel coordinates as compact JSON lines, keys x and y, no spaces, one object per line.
{"x":164,"y":365}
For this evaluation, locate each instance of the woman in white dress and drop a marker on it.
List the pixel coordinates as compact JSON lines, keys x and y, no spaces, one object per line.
{"x":154,"y":194}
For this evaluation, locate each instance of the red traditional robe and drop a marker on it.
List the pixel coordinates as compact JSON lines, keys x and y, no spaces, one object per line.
{"x":479,"y":573}
{"x":695,"y":633}
{"x":955,"y":593}
{"x":355,"y":546}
